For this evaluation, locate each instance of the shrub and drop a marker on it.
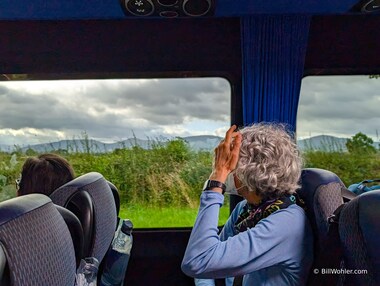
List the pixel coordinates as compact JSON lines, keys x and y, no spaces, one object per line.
{"x":360,"y":144}
{"x":350,"y":167}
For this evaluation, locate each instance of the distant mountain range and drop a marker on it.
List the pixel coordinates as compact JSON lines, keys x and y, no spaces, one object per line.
{"x":326,"y":143}
{"x":202,"y":142}
{"x":323,"y":143}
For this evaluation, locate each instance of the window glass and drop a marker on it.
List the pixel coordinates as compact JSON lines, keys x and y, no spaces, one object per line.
{"x":338,"y":125}
{"x":152,"y":138}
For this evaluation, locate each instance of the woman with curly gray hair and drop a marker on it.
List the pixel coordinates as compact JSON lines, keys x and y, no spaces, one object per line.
{"x":267,"y":239}
{"x":269,"y":161}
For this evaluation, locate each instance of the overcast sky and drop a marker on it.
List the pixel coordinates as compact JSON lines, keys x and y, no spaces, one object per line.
{"x":111,"y":110}
{"x":34,"y":112}
{"x":339,"y":105}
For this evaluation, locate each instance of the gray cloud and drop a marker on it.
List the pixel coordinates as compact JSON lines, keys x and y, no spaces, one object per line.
{"x":340,"y":105}
{"x":113,"y":108}
{"x":169,"y":101}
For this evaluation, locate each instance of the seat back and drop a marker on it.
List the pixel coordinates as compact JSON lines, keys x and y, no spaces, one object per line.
{"x":4,"y":272}
{"x":359,"y":230}
{"x":322,"y":192}
{"x":36,"y":245}
{"x":115,"y":193}
{"x":76,"y":231}
{"x":91,"y":199}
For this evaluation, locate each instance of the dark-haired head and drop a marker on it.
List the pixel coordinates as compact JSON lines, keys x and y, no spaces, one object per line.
{"x":44,"y":174}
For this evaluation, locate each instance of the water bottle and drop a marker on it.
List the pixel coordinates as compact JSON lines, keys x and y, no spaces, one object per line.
{"x":87,"y":272}
{"x":118,"y":256}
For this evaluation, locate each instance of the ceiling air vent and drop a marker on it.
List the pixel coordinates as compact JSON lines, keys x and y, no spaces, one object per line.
{"x":168,"y":8}
{"x":367,"y":6}
{"x":371,"y":6}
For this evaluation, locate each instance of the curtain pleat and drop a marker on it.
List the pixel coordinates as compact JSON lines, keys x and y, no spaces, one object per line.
{"x":273,"y":49}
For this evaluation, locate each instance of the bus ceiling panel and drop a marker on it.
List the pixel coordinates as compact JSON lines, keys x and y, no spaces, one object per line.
{"x":230,"y":7}
{"x":351,"y":46}
{"x":119,"y":9}
{"x":120,"y":46}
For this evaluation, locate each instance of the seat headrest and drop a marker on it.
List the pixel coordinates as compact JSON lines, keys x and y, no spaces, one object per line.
{"x":36,"y":241}
{"x":13,"y":208}
{"x":322,"y":192}
{"x":312,"y":178}
{"x":101,"y":225}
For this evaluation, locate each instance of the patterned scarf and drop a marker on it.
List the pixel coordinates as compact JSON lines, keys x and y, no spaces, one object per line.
{"x":251,"y":214}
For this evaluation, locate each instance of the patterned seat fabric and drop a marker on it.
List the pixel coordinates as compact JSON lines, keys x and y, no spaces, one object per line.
{"x":322,"y":192}
{"x":94,"y":204}
{"x":76,"y":231}
{"x":36,"y":243}
{"x":115,"y":193}
{"x":359,"y":229}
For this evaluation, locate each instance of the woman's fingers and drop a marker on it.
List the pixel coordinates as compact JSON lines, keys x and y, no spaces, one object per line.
{"x":229,"y":136}
{"x":226,"y":155}
{"x":235,"y":150}
{"x":228,"y":149}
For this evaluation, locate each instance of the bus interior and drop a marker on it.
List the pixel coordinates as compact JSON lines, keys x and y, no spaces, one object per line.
{"x":262,"y":48}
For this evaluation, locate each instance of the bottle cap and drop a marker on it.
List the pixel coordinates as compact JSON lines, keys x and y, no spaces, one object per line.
{"x":127,"y":226}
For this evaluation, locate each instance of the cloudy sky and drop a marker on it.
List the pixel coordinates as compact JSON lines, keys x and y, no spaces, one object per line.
{"x":111,"y":110}
{"x":339,"y":105}
{"x":34,"y":112}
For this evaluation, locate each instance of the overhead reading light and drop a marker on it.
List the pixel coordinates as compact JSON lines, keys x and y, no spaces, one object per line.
{"x":196,"y":7}
{"x":371,"y":6}
{"x":168,"y":8}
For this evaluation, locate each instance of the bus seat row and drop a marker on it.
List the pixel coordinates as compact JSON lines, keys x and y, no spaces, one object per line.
{"x":42,"y":239}
{"x":348,"y":242}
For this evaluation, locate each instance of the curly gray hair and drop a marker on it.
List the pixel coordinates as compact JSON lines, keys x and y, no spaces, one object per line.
{"x":269,"y":161}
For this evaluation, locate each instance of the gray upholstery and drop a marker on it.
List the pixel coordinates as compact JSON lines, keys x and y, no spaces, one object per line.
{"x":4,"y":274}
{"x":104,"y":210}
{"x":359,"y":229}
{"x":327,"y":199}
{"x":36,"y":242}
{"x":322,"y":192}
{"x":76,"y":231}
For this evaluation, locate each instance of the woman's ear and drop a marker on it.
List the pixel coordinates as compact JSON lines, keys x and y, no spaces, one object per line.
{"x":238,"y":183}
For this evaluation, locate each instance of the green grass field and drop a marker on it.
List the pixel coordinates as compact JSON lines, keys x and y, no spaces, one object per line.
{"x":153,"y":217}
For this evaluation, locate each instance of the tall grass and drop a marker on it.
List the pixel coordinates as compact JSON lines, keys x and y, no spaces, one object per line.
{"x":169,"y":176}
{"x":168,"y":173}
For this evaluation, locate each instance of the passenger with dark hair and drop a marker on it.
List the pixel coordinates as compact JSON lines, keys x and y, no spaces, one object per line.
{"x":267,"y":239}
{"x":44,"y":174}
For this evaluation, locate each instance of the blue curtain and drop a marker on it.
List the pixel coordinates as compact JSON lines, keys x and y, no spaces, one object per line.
{"x":273,"y":52}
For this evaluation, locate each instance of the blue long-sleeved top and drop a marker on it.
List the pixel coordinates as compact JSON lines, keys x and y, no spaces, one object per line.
{"x":277,"y":251}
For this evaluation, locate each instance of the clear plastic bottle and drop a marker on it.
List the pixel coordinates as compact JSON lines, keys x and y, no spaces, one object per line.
{"x":117,"y":257}
{"x":87,"y":272}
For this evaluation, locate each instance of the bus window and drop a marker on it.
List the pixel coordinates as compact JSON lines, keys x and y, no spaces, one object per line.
{"x":338,"y":125}
{"x":152,"y":138}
